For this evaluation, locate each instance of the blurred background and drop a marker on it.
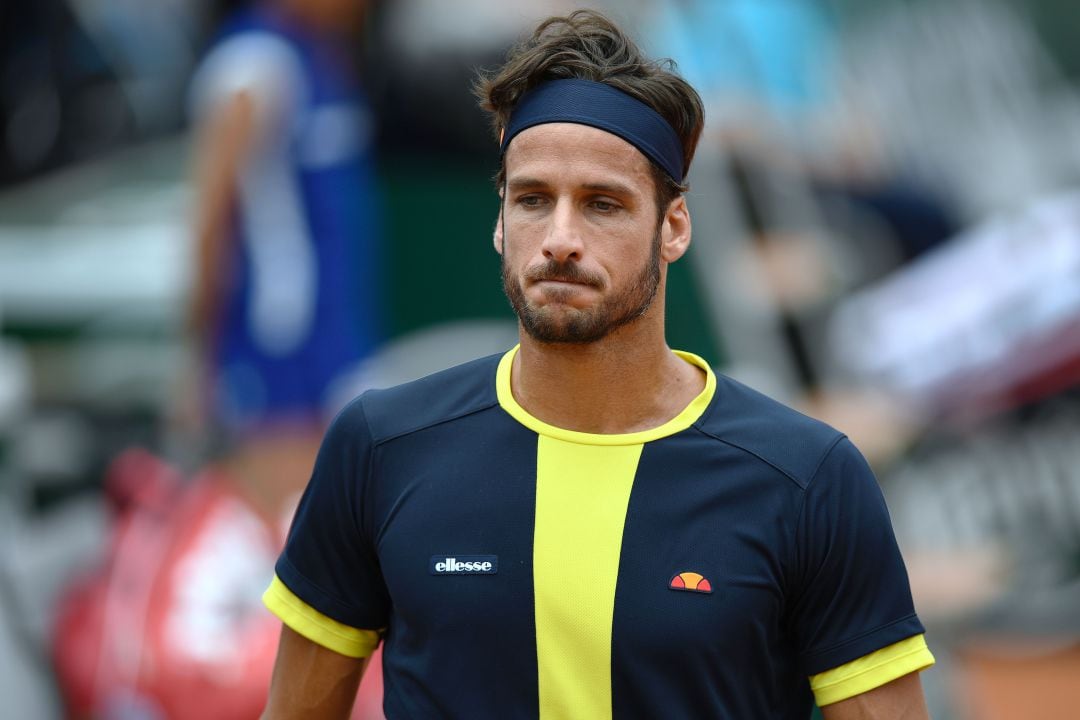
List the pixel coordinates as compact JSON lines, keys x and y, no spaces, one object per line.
{"x":887,"y":236}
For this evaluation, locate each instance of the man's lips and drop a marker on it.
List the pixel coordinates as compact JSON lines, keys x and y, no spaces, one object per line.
{"x":562,"y":281}
{"x":556,"y":289}
{"x":563,"y":275}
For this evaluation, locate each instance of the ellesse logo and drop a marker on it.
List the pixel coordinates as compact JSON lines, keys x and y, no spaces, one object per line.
{"x":690,"y":581}
{"x":464,"y":564}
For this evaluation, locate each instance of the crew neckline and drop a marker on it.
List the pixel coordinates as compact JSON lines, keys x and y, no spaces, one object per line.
{"x":686,"y":417}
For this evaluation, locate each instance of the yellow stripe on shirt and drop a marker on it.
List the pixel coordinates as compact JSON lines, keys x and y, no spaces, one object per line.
{"x":583,"y":483}
{"x":871,"y":671}
{"x":312,"y":624}
{"x":582,"y":492}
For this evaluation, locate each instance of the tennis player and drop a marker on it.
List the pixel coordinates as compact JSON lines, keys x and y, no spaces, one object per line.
{"x":592,"y":525}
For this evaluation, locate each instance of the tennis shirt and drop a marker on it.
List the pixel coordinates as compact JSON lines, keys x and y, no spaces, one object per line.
{"x":720,"y":565}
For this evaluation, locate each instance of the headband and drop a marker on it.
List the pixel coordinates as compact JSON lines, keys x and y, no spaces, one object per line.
{"x":587,"y":102}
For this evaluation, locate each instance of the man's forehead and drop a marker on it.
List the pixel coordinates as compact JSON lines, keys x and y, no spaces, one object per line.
{"x":574,"y":146}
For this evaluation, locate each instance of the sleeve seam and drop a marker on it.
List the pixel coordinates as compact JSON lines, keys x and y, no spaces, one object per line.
{"x":368,"y":487}
{"x":311,"y":585}
{"x":860,"y":636}
{"x":434,"y":423}
{"x":824,"y":456}
{"x":750,"y":452}
{"x":796,"y":565}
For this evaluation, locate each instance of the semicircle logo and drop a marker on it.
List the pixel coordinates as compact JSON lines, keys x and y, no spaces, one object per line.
{"x":690,"y":582}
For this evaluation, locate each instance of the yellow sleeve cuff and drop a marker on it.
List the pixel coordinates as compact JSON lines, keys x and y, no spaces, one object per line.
{"x":871,"y":671}
{"x":312,"y":624}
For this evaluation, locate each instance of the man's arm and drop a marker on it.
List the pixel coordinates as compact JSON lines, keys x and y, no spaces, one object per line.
{"x":311,"y":681}
{"x":901,"y":699}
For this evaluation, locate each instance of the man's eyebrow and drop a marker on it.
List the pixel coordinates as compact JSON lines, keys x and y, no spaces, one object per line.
{"x":613,"y":188}
{"x":529,"y":183}
{"x":525,"y":183}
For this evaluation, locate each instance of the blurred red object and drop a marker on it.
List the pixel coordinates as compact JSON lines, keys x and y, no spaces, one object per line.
{"x":1020,"y":678}
{"x":172,"y":624}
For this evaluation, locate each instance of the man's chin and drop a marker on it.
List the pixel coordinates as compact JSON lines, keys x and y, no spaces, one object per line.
{"x":573,"y":328}
{"x":561,"y":339}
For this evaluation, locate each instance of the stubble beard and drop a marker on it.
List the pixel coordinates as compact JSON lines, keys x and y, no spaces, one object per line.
{"x":558,"y":323}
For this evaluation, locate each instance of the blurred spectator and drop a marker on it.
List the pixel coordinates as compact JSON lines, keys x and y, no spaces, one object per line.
{"x":801,"y":205}
{"x":59,"y":97}
{"x":284,"y":307}
{"x":772,"y":78}
{"x":79,"y":78}
{"x":764,"y":68}
{"x":285,"y":301}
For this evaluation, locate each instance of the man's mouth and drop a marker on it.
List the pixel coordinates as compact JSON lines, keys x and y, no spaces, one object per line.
{"x":565,"y":279}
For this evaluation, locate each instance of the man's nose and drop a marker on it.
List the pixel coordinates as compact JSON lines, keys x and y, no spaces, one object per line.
{"x":563,"y":239}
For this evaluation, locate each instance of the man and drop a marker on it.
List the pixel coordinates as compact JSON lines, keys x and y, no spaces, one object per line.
{"x":591,"y":525}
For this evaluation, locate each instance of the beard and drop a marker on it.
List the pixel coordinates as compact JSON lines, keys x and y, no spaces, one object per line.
{"x":558,"y":323}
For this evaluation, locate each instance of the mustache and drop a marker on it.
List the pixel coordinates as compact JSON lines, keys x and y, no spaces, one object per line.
{"x":563,"y":272}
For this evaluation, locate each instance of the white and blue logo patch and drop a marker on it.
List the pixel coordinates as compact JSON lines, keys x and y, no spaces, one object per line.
{"x":464,"y":564}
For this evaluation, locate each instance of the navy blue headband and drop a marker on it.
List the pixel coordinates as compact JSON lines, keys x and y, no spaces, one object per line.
{"x":600,"y":106}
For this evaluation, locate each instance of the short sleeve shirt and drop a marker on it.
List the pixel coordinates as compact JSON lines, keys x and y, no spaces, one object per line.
{"x":705,"y":568}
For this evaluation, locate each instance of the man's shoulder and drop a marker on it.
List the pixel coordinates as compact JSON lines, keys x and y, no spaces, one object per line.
{"x":776,"y":434}
{"x":441,"y":397}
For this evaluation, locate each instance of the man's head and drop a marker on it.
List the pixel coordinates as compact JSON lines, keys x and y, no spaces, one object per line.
{"x":585,"y":45}
{"x":596,"y":143}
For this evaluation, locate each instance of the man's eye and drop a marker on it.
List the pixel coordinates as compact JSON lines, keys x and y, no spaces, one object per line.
{"x":530,"y":201}
{"x":604,"y":206}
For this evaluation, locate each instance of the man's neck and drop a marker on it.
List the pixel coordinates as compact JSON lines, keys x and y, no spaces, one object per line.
{"x":627,"y":382}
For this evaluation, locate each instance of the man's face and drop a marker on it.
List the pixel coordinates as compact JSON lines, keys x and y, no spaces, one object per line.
{"x":580,"y":241}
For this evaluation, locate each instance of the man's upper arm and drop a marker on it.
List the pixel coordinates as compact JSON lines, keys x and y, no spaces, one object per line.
{"x":311,"y":681}
{"x":853,"y":616}
{"x":328,"y":588}
{"x":900,"y":699}
{"x":329,"y":582}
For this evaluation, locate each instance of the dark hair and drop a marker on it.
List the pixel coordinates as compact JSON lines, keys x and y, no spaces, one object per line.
{"x":587,"y":45}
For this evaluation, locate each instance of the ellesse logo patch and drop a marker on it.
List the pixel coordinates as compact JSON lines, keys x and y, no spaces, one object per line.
{"x":691,"y":582}
{"x":464,"y":564}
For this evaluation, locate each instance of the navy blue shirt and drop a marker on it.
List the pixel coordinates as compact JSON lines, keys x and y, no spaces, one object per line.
{"x":702,"y":569}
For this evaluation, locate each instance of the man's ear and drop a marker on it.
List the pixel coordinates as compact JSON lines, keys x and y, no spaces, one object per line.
{"x":675,"y":231}
{"x":497,"y":236}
